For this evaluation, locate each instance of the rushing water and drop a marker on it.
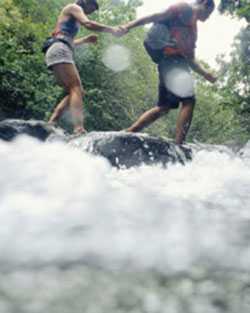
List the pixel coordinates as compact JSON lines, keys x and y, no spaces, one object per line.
{"x":78,"y":236}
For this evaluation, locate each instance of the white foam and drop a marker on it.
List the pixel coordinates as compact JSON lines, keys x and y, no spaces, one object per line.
{"x":58,"y":204}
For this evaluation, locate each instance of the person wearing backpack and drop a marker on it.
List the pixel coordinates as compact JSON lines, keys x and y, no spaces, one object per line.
{"x":58,"y":51}
{"x":171,"y":43}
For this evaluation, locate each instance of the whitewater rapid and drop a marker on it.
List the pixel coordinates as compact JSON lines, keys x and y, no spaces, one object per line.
{"x":59,"y":205}
{"x":77,"y":235}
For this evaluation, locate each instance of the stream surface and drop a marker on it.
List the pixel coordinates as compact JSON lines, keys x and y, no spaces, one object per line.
{"x":78,"y":235}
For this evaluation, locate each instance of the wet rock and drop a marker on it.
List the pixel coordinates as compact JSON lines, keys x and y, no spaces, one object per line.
{"x":244,"y":153}
{"x":126,"y":149}
{"x":11,"y":128}
{"x":122,"y":149}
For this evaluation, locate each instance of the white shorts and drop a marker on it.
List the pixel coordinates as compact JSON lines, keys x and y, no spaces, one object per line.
{"x":58,"y":53}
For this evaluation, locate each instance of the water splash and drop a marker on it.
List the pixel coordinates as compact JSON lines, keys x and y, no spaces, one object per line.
{"x":172,"y":238}
{"x":76,"y":205}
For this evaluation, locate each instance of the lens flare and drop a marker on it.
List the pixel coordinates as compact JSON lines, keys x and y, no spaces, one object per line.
{"x":117,"y":58}
{"x":179,"y":82}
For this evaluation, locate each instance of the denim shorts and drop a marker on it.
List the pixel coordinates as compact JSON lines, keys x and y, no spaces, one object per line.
{"x":176,"y":83}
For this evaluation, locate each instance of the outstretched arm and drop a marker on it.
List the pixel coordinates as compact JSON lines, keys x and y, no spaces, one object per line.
{"x":153,"y":18}
{"x":201,"y":71}
{"x":79,"y":15}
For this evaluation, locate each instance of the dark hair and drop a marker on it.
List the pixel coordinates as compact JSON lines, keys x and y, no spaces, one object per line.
{"x":209,"y":4}
{"x":83,"y":3}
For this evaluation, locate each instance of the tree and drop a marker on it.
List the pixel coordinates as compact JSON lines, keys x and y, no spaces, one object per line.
{"x":26,"y":87}
{"x":236,"y":79}
{"x":240,"y":8}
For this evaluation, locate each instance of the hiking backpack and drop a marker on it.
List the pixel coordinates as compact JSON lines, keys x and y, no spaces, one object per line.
{"x":159,"y":35}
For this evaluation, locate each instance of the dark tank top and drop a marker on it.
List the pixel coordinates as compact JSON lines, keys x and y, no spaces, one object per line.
{"x":68,"y":28}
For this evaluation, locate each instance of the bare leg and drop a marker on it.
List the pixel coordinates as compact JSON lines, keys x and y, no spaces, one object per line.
{"x":148,"y":118}
{"x":59,"y":110}
{"x":68,"y":77}
{"x":184,"y":121}
{"x":76,"y":103}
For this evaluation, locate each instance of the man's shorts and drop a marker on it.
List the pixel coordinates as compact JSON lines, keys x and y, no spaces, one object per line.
{"x":176,"y":83}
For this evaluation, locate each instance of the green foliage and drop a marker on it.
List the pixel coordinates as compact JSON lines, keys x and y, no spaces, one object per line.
{"x":235,"y":85}
{"x":213,"y":121}
{"x":240,"y":8}
{"x":26,"y":88}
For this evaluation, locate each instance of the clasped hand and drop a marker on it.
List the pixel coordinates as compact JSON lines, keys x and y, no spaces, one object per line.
{"x":119,"y":31}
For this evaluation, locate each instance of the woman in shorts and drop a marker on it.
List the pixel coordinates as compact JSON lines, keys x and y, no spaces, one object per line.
{"x":59,"y":56}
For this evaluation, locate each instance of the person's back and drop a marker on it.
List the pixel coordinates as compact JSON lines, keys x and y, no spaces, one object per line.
{"x":174,"y":35}
{"x":182,"y":26}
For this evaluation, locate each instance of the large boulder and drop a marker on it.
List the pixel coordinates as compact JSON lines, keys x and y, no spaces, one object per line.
{"x":124,"y":149}
{"x":41,"y":130}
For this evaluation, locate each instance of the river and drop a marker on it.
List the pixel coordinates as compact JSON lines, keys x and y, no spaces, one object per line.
{"x":79,"y":236}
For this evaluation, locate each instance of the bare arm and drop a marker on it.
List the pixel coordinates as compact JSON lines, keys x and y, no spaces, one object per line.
{"x":86,"y":39}
{"x":153,"y":18}
{"x":201,"y":71}
{"x":75,"y":11}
